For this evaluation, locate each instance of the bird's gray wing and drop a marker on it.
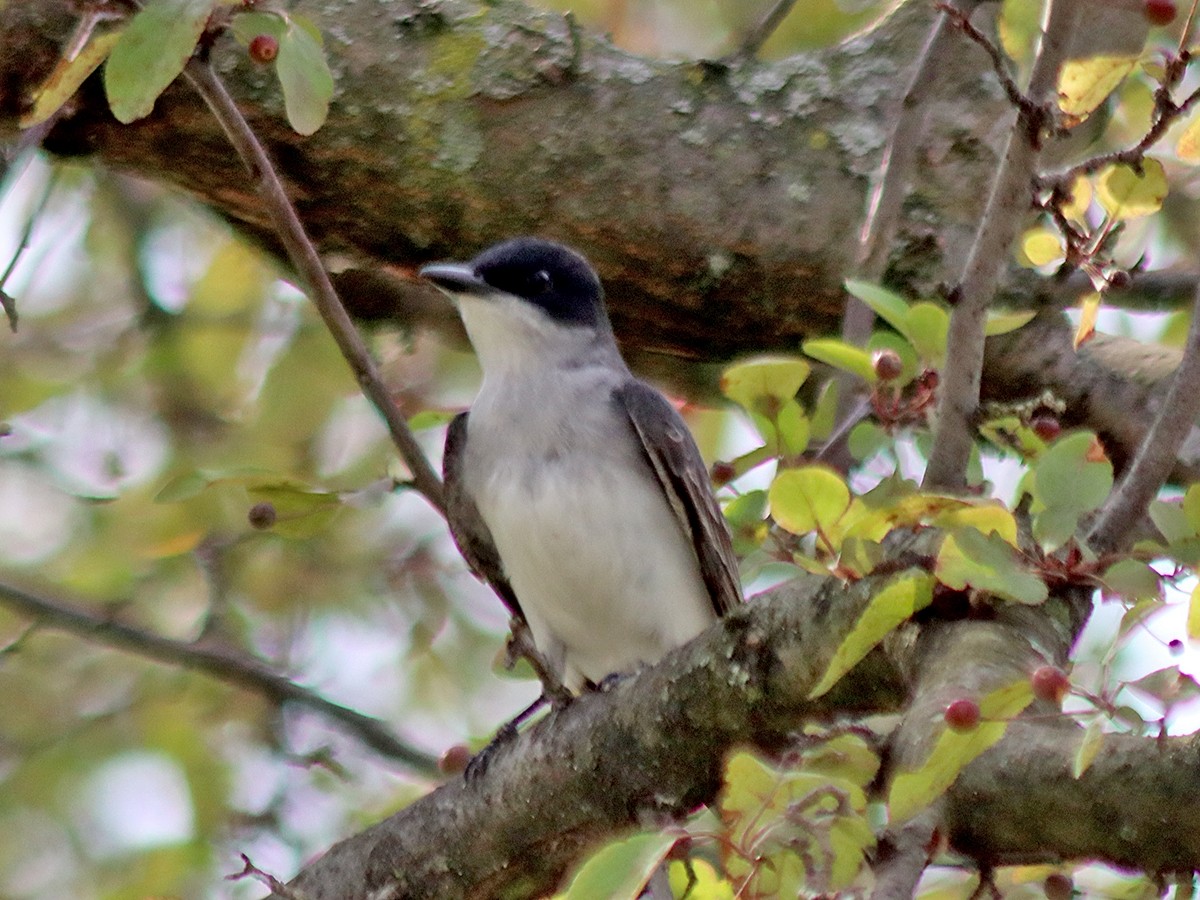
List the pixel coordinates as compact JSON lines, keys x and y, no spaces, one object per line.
{"x":684,"y":479}
{"x":470,"y":532}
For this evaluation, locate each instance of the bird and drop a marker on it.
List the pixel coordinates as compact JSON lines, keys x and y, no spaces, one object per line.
{"x":572,"y":487}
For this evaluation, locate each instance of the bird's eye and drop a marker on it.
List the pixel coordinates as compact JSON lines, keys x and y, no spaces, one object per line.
{"x":540,"y":281}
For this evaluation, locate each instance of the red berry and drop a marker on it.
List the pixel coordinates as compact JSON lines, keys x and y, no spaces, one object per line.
{"x":264,"y":48}
{"x":962,"y":715}
{"x":1159,"y":12}
{"x":262,"y":515}
{"x":1050,"y":683}
{"x":1058,"y":887}
{"x":723,"y":473}
{"x":888,"y":365}
{"x":454,"y":760}
{"x":1045,"y":425}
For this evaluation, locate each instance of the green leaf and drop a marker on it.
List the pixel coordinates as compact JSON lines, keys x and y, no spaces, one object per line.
{"x":841,"y":355}
{"x":969,"y":558}
{"x":1171,"y":520}
{"x":894,"y":604}
{"x":779,"y":378}
{"x":808,"y":499}
{"x":1133,"y":579}
{"x":1004,"y":322}
{"x":300,"y":511}
{"x":247,"y":25}
{"x":152,"y":51}
{"x":1040,"y":246}
{"x":1191,"y":508}
{"x":1083,"y":84}
{"x":304,"y":76}
{"x":913,"y":791}
{"x":430,"y":418}
{"x":1089,"y":746}
{"x":622,"y":868}
{"x":824,"y":414}
{"x":62,"y":83}
{"x":866,"y":439}
{"x":927,"y":327}
{"x":1125,"y":194}
{"x":1071,"y":478}
{"x":889,"y":306}
{"x":793,"y":428}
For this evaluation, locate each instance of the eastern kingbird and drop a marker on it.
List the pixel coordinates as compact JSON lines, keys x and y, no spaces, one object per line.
{"x":573,"y":488}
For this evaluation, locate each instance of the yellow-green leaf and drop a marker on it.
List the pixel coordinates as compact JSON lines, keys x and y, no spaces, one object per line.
{"x":841,"y":355}
{"x":621,"y":869}
{"x":1041,"y":247}
{"x":1083,"y":84}
{"x":1089,"y":746}
{"x":1193,"y":617}
{"x":894,"y":604}
{"x":926,"y":326}
{"x":304,"y":75}
{"x":1079,"y":199}
{"x":62,"y":83}
{"x":152,"y":51}
{"x":1125,"y":194}
{"x":889,"y":306}
{"x":1004,"y":322}
{"x":808,"y":499}
{"x":1089,"y":309}
{"x":1187,"y":147}
{"x":776,"y":377}
{"x":914,"y":791}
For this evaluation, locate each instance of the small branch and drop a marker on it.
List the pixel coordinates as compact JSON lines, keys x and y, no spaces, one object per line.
{"x":762,"y":32}
{"x":884,"y":204}
{"x":221,"y":663}
{"x":903,"y":856}
{"x":304,"y":259}
{"x":1007,"y":204}
{"x":1156,"y":456}
{"x":278,"y":888}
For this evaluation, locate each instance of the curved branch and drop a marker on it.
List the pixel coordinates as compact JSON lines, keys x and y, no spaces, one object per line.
{"x":220,"y":663}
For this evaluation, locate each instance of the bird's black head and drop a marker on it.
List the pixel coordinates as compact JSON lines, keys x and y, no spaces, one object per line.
{"x":548,"y":275}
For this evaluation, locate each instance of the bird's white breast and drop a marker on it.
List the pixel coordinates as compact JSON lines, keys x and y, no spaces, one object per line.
{"x":603,"y":570}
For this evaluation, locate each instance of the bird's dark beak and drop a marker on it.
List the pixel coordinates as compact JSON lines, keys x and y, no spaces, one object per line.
{"x":455,"y":278}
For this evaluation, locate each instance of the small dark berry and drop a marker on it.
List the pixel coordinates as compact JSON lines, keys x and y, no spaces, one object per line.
{"x":723,"y":473}
{"x":1058,"y":887}
{"x":454,"y":760}
{"x":1050,"y":683}
{"x":1046,"y":426}
{"x":262,"y":515}
{"x":888,"y":365}
{"x":962,"y":715}
{"x":264,"y":48}
{"x":1159,"y":12}
{"x":1119,"y":279}
{"x":1175,"y":647}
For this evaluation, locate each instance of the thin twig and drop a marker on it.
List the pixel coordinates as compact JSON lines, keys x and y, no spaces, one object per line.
{"x":221,"y":663}
{"x":1125,"y":507}
{"x":901,"y":859}
{"x":1009,"y":201}
{"x":884,"y":205}
{"x":278,"y":888}
{"x":9,"y":304}
{"x":762,"y":32}
{"x":307,"y":263}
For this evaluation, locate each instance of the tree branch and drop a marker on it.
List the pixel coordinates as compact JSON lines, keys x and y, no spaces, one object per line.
{"x":1127,"y":505}
{"x":304,"y":258}
{"x":221,"y":663}
{"x":958,"y":405}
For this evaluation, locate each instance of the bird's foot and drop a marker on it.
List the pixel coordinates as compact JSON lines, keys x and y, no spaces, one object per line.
{"x":504,"y":735}
{"x":520,"y":645}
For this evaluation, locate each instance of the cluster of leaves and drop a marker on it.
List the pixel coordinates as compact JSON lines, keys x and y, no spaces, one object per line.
{"x":147,"y":52}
